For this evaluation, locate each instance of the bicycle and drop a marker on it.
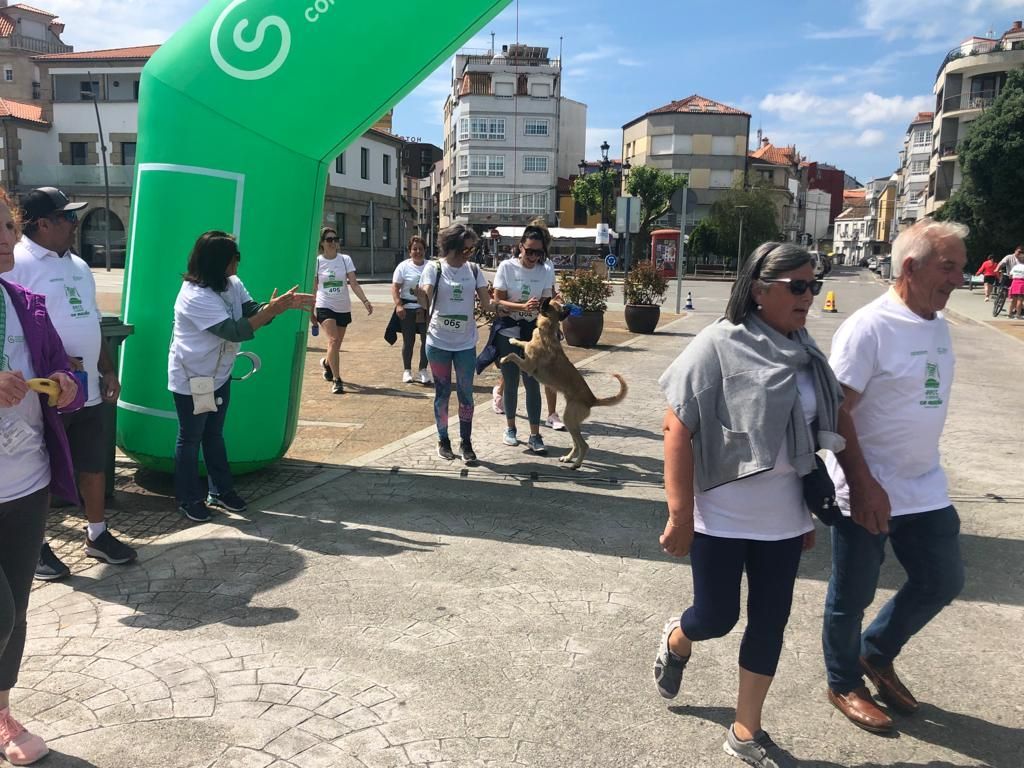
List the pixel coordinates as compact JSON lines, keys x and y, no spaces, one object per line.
{"x":999,"y":295}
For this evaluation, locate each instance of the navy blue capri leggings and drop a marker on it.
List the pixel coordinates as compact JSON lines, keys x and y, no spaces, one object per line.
{"x":718,"y":565}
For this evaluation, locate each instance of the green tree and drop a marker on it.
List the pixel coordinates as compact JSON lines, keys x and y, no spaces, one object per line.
{"x":593,"y":189}
{"x":759,"y":221}
{"x":991,"y":198}
{"x":703,"y":240}
{"x":655,"y":189}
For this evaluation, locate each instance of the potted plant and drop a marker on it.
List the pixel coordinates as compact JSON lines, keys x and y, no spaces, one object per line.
{"x":644,"y":291}
{"x":588,"y":291}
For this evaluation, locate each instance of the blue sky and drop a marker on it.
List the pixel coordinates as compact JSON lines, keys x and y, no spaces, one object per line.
{"x":841,"y":81}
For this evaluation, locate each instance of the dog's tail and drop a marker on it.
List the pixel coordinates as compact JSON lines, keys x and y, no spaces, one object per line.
{"x":614,"y":399}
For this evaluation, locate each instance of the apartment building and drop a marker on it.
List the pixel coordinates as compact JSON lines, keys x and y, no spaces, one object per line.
{"x":26,"y":32}
{"x":777,"y":169}
{"x":697,"y":136}
{"x":509,"y":136}
{"x":915,"y":159}
{"x":969,"y":80}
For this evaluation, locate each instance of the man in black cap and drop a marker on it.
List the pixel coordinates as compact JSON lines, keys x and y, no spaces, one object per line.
{"x":44,"y":264}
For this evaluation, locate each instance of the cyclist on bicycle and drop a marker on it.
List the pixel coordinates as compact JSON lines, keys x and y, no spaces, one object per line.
{"x":1011,"y":269}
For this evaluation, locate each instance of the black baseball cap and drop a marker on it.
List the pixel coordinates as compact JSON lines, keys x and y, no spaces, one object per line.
{"x":44,"y":201}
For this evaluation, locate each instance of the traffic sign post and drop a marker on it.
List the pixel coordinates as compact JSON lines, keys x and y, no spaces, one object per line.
{"x":682,"y":239}
{"x":627,"y":221}
{"x":611,"y":260}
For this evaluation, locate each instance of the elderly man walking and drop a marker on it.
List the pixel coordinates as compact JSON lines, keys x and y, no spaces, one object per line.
{"x":895,"y":360}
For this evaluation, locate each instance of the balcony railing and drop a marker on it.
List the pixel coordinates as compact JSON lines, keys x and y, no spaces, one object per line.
{"x":948,"y":150}
{"x":979,"y":48}
{"x":121,"y":176}
{"x":38,"y":46}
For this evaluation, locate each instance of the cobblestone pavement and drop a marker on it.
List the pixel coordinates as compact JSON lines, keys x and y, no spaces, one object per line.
{"x":405,"y":611}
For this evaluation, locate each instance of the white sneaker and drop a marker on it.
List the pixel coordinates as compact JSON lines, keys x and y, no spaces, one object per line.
{"x":555,"y":423}
{"x":425,"y":377}
{"x":407,"y":376}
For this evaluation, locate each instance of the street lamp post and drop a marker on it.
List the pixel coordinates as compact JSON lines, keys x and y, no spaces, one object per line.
{"x":627,"y":256}
{"x":739,"y":245}
{"x":106,"y":178}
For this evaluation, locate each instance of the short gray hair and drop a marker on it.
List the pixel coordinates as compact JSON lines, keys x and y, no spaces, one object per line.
{"x":769,"y":260}
{"x":918,"y":241}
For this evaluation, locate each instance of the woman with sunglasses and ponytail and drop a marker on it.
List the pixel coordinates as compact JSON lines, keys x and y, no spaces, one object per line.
{"x":519,"y":286}
{"x":335,"y":272}
{"x":751,"y":400}
{"x":450,"y":287}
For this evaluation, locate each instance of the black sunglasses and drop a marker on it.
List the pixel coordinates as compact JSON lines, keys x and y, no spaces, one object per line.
{"x":535,"y":252}
{"x":798,"y":287}
{"x":330,"y":239}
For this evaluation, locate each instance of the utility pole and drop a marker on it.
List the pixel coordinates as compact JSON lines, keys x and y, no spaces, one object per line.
{"x":106,"y":178}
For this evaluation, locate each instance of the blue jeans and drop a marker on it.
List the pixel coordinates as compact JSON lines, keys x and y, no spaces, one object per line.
{"x":927,"y":545}
{"x":206,"y":430}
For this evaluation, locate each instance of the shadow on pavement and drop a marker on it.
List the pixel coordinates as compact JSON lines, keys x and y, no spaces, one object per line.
{"x":57,"y":759}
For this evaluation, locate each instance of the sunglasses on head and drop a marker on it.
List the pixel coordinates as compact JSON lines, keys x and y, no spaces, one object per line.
{"x":798,"y":287}
{"x":330,"y":239}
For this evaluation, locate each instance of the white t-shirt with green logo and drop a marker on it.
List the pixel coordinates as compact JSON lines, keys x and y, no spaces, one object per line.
{"x":27,"y":470}
{"x":452,"y":325}
{"x":522,"y":284}
{"x":408,"y":274}
{"x":332,"y":282}
{"x":70,"y":290}
{"x":902,"y":365}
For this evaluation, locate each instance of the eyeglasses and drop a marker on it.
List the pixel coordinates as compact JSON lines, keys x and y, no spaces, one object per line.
{"x":798,"y":287}
{"x":330,"y":239}
{"x":71,"y":216}
{"x":537,"y":253}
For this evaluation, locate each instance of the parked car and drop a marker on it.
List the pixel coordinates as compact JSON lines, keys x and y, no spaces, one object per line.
{"x":970,"y":281}
{"x":872,"y":263}
{"x":822,"y":264}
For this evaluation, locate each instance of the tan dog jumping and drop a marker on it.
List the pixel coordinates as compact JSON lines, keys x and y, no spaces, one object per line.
{"x":545,"y":361}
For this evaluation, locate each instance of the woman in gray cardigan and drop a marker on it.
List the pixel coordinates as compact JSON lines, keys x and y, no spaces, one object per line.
{"x":751,"y":399}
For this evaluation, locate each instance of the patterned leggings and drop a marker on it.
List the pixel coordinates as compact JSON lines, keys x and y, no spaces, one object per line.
{"x":441,"y":361}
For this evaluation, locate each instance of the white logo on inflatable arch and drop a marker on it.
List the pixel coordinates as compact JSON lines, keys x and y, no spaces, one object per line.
{"x":251,"y":45}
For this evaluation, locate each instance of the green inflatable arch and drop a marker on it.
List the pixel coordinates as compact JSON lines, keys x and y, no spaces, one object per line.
{"x":240,"y":114}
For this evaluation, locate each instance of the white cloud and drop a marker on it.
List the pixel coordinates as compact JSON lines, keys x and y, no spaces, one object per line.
{"x":937,"y":19}
{"x":872,"y":137}
{"x":862,"y":110}
{"x":98,"y":24}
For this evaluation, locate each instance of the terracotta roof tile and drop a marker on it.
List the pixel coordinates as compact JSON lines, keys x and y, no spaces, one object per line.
{"x":23,"y":7}
{"x":31,"y":112}
{"x":775,"y":155}
{"x":924,"y":117}
{"x":855,"y":212}
{"x":6,"y":25}
{"x":694,"y":104}
{"x":108,"y":54}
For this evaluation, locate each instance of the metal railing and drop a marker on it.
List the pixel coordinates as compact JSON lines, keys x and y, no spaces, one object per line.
{"x":121,"y":176}
{"x":948,"y":150}
{"x":979,"y":48}
{"x":38,"y":46}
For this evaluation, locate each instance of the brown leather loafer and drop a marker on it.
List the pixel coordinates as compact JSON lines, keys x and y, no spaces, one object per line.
{"x":890,"y":689}
{"x":861,"y":710}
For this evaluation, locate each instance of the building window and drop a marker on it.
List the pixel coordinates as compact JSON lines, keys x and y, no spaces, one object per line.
{"x":8,"y":73}
{"x":919,"y":166}
{"x":723,"y":145}
{"x":768,"y":177}
{"x":536,"y":127}
{"x":921,"y":138}
{"x":386,"y":171}
{"x":504,"y":202}
{"x":535,"y":164}
{"x":364,"y":163}
{"x":385,"y":233}
{"x":339,"y":227}
{"x":504,"y":90}
{"x":481,"y":165}
{"x":339,"y":163}
{"x":666,"y":144}
{"x":79,"y":152}
{"x":364,"y":231}
{"x":128,"y":152}
{"x":489,"y":128}
{"x":135,"y":90}
{"x":88,"y":89}
{"x":721,"y":179}
{"x":540,"y":90}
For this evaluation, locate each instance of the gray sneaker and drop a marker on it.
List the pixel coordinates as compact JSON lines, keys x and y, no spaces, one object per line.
{"x":760,"y":752}
{"x":668,"y":668}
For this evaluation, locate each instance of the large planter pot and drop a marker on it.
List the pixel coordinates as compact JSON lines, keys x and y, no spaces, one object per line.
{"x":642,"y":318}
{"x":583,"y":330}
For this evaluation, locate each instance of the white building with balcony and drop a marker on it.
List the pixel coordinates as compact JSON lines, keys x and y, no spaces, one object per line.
{"x":968,"y":82}
{"x":509,"y":136}
{"x":915,"y":164}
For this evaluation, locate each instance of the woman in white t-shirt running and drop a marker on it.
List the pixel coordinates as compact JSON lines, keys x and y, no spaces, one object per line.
{"x":213,"y":315}
{"x":452,"y":333}
{"x":411,"y":315}
{"x":335,"y":272}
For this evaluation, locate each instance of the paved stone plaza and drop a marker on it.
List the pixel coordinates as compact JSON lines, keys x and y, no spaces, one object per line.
{"x":400,"y":610}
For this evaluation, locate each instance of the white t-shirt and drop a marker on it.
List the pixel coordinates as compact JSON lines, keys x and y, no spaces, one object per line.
{"x":408,"y":274}
{"x":768,"y":506}
{"x":521,"y":284}
{"x":194,"y":350}
{"x":902,"y":365}
{"x":70,"y":291}
{"x":332,"y":282}
{"x":1008,"y":261}
{"x":550,"y":268}
{"x":452,"y":325}
{"x":1017,"y":270}
{"x":28,"y":470}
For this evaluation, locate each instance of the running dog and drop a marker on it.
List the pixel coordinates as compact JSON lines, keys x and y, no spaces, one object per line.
{"x":545,"y":361}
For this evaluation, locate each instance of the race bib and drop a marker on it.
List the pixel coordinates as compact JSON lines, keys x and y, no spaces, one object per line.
{"x":333,"y":286}
{"x":16,"y":436}
{"x":453,"y":322}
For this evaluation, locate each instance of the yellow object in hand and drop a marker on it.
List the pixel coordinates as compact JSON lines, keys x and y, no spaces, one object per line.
{"x":47,"y":387}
